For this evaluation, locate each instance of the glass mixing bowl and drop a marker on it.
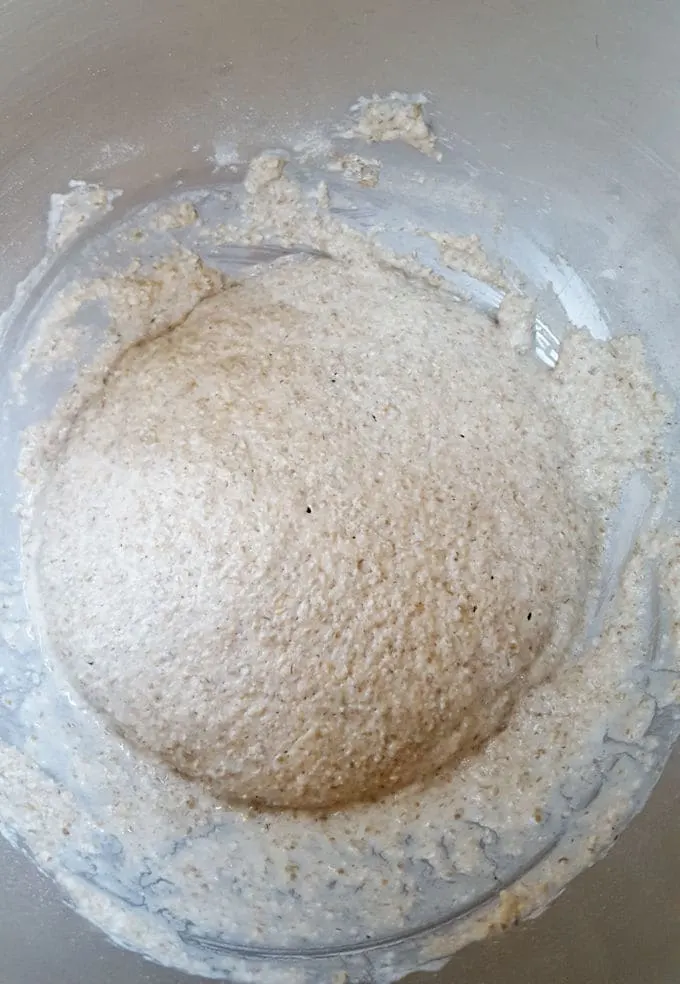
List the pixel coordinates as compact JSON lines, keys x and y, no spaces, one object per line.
{"x":561,"y":155}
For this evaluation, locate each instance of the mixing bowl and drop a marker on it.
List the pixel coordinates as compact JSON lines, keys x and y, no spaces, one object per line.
{"x":559,"y":121}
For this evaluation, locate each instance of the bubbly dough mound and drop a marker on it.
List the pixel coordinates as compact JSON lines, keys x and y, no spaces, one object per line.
{"x":314,"y":542}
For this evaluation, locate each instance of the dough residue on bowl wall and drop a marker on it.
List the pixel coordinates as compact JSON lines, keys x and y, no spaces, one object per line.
{"x":397,"y":117}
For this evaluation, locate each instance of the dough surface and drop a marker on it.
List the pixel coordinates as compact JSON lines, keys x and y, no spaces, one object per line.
{"x":316,"y":541}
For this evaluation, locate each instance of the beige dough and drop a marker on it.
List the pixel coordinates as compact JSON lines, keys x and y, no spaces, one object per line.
{"x":316,"y":541}
{"x":395,"y":118}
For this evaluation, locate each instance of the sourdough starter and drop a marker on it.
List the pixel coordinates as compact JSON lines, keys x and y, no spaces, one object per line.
{"x":336,"y":648}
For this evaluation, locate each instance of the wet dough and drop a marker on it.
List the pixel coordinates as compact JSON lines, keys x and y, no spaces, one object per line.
{"x":317,"y":540}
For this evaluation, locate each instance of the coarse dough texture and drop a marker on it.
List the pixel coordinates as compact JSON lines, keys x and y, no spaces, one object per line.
{"x":317,"y":540}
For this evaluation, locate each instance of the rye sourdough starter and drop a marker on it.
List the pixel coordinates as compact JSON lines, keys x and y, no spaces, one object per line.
{"x":324,"y":550}
{"x":315,"y":541}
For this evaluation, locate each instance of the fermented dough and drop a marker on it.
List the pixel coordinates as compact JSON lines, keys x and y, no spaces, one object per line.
{"x":316,"y":540}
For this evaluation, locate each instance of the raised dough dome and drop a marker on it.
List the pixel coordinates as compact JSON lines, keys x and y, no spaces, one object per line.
{"x":307,"y":545}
